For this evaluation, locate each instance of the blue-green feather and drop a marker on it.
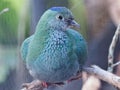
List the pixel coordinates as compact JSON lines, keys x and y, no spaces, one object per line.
{"x":59,"y":9}
{"x":25,"y":46}
{"x":80,"y":46}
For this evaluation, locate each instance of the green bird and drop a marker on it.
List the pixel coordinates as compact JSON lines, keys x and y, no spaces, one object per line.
{"x":55,"y":53}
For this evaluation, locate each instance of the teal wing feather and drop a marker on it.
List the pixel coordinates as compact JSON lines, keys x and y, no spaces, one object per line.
{"x":79,"y":46}
{"x":25,"y":46}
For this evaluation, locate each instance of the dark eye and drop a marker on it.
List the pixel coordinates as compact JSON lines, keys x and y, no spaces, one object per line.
{"x":60,"y":17}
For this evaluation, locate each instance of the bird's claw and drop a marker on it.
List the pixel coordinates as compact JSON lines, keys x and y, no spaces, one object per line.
{"x":45,"y":84}
{"x":34,"y":85}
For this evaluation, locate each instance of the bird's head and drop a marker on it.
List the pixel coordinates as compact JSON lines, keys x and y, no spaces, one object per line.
{"x":59,"y":17}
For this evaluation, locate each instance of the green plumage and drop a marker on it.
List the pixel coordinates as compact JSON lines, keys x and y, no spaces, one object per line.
{"x":55,"y":52}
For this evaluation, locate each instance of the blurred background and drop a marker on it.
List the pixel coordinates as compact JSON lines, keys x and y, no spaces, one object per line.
{"x":18,"y":18}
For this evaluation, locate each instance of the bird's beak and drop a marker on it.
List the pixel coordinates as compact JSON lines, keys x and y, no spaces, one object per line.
{"x":73,"y":23}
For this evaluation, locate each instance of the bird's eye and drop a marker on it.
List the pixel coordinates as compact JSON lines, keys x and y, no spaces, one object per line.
{"x":60,"y":17}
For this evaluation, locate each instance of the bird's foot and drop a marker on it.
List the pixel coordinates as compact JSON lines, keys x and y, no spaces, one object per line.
{"x":45,"y":84}
{"x":34,"y":85}
{"x":38,"y":85}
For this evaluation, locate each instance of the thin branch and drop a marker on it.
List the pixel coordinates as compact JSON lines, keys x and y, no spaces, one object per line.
{"x":91,"y":82}
{"x":4,"y":10}
{"x":111,"y":49}
{"x":115,"y":64}
{"x":104,"y":75}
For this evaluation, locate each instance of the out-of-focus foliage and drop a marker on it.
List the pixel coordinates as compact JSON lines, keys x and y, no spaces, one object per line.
{"x":8,"y":36}
{"x":9,"y":21}
{"x":56,"y":3}
{"x":7,"y":61}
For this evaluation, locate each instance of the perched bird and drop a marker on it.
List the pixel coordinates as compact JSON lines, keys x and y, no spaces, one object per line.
{"x":55,"y":53}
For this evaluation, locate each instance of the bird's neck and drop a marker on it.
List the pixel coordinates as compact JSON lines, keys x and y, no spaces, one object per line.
{"x":58,"y":37}
{"x":44,"y":30}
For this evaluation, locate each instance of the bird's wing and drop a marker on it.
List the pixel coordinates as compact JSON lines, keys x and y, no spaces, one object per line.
{"x":79,"y":46}
{"x":25,"y":46}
